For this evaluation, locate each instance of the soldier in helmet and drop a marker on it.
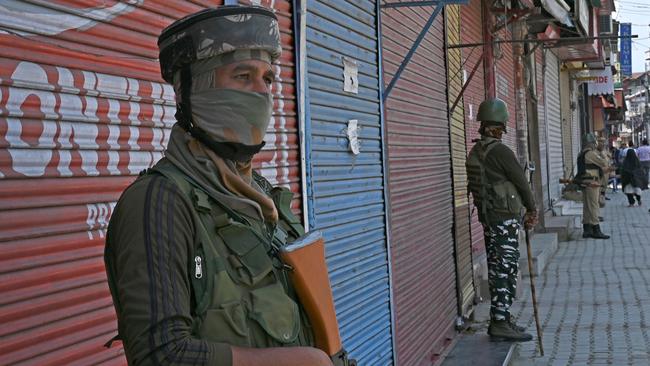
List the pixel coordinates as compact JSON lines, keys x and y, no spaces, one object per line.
{"x":502,"y":196}
{"x":191,"y":251}
{"x":592,"y":166}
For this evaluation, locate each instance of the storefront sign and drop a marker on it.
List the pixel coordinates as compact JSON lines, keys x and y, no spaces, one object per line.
{"x":626,"y":49}
{"x":599,"y":82}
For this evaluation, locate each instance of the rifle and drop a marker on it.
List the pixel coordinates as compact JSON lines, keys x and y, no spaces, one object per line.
{"x":306,"y":257}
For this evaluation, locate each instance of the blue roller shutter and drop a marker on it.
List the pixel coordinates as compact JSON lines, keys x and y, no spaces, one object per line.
{"x":346,"y":191}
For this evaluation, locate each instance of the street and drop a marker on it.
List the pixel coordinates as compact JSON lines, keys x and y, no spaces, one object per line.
{"x":594,"y":296}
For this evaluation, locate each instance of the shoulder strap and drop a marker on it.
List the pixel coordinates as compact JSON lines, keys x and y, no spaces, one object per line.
{"x":482,"y":153}
{"x":282,"y":198}
{"x":192,"y":189}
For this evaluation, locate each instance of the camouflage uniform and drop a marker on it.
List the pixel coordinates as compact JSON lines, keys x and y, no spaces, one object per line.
{"x":502,"y":245}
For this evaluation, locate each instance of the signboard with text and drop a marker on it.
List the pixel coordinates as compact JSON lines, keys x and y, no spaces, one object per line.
{"x":626,"y":49}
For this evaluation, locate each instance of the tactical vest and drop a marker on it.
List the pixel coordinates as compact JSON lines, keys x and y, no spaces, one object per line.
{"x":582,"y":175}
{"x":500,"y":197}
{"x":241,"y":293}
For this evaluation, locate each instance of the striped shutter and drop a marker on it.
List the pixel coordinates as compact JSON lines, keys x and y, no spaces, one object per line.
{"x":346,"y":191}
{"x":505,"y":89}
{"x":542,"y":124}
{"x":462,"y":238}
{"x":472,"y":32}
{"x":554,"y":122}
{"x":82,"y":110}
{"x":420,"y":185}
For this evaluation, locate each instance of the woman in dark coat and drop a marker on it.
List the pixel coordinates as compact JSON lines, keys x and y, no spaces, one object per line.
{"x":633,"y":178}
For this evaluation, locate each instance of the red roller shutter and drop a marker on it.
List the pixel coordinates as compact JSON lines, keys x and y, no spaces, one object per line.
{"x":505,"y":88}
{"x":462,"y":209}
{"x":82,"y":110}
{"x":420,"y":186}
{"x":471,"y":31}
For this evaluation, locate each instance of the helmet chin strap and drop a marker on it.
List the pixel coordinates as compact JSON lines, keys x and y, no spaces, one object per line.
{"x":227,"y":150}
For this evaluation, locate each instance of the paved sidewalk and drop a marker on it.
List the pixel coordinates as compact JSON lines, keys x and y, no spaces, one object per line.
{"x":594,"y":297}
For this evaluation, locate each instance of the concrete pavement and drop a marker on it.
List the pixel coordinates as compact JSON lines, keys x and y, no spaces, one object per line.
{"x":594,"y":296}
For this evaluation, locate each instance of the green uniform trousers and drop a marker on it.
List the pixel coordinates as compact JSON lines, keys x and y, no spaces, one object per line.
{"x":502,"y":245}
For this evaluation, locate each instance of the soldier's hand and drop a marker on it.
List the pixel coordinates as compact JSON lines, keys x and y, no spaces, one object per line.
{"x":530,"y":219}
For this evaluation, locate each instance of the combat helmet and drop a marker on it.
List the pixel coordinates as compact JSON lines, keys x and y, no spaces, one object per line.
{"x":588,"y":139}
{"x":218,"y":32}
{"x":493,"y":110}
{"x":208,"y":39}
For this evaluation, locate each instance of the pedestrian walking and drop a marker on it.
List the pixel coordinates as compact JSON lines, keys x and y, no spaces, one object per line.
{"x":613,"y":176}
{"x":643,"y":153}
{"x":633,"y":178}
{"x":621,"y":153}
{"x":591,"y":167}
{"x":501,"y":194}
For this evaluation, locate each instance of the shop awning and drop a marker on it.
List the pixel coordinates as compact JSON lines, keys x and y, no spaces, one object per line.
{"x":560,"y":10}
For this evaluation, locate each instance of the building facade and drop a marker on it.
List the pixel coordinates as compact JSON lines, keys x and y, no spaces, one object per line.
{"x":375,"y":111}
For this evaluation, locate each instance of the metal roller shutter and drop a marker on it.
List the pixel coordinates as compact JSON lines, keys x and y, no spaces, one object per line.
{"x":82,"y":110}
{"x":420,"y":186}
{"x":462,"y":238}
{"x":542,"y":124}
{"x":346,"y":191}
{"x":505,"y":89}
{"x":472,"y":32}
{"x":554,"y":125}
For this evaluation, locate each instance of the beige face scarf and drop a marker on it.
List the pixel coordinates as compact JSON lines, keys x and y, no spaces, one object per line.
{"x":226,"y":115}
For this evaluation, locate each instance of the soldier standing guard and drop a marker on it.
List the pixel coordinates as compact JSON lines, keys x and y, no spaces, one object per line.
{"x":501,"y":193}
{"x":191,"y":252}
{"x":591,"y":167}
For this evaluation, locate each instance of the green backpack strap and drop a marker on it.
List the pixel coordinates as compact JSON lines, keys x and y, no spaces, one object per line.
{"x":482,"y":155}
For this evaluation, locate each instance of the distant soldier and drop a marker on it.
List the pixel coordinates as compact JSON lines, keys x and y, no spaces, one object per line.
{"x":501,"y":192}
{"x":604,"y":179}
{"x":591,"y":168}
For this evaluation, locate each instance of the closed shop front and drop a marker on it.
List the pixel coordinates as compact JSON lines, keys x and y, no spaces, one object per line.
{"x":555,"y":162}
{"x":345,"y":173}
{"x":505,"y":87}
{"x":471,"y":31}
{"x":462,"y":237}
{"x":83,"y":110}
{"x":542,"y":124}
{"x":420,"y":184}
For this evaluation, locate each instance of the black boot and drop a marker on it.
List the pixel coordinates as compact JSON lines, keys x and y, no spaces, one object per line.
{"x":597,"y":234}
{"x":587,"y":231}
{"x":502,"y":330}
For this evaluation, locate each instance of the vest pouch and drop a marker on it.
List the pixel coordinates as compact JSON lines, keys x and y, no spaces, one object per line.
{"x":227,"y":324}
{"x":276,"y":313}
{"x":506,"y":198}
{"x":251,"y":260}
